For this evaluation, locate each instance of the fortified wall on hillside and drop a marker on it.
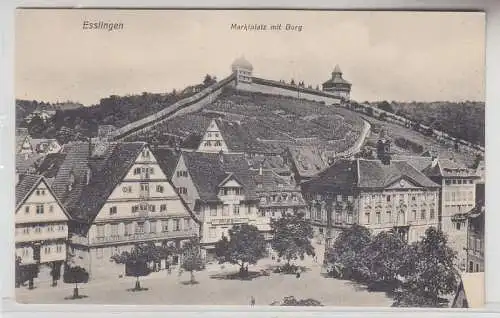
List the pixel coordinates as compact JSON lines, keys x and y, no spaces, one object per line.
{"x":335,"y":91}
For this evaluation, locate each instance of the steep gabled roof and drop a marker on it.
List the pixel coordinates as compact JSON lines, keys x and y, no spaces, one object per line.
{"x":307,"y":160}
{"x":418,"y":162}
{"x":167,"y":159}
{"x":111,"y":171}
{"x":208,"y":171}
{"x":24,"y":162}
{"x":51,"y":164}
{"x":25,"y":186}
{"x":270,"y":181}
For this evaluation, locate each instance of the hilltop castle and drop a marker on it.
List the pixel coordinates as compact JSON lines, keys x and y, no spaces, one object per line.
{"x":334,"y":91}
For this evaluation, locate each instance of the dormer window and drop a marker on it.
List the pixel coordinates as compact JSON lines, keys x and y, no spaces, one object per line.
{"x":71,"y":181}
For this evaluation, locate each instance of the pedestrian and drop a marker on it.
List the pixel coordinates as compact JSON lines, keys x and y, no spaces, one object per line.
{"x":252,"y":301}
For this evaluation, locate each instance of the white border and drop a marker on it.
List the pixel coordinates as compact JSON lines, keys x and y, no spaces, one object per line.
{"x":7,"y":132}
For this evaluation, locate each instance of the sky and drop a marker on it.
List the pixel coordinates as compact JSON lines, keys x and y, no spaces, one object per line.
{"x":400,"y":56}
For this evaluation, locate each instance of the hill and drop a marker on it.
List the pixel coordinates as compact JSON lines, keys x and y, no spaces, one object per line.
{"x":464,"y":120}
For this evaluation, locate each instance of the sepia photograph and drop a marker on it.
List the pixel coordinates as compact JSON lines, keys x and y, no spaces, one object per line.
{"x":250,"y":158}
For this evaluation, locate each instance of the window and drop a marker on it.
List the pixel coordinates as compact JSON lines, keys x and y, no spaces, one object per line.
{"x":144,"y":187}
{"x":160,"y":188}
{"x":47,"y":250}
{"x":225,"y":210}
{"x":457,"y":226}
{"x":27,"y":209}
{"x":211,"y":232}
{"x":213,"y":211}
{"x":388,"y":214}
{"x":139,"y":227}
{"x":187,"y":224}
{"x":249,"y":210}
{"x":349,"y":217}
{"x":432,"y":214}
{"x":422,"y":214}
{"x":59,"y":248}
{"x":453,"y":181}
{"x":113,"y":210}
{"x":100,"y":230}
{"x":339,"y":198}
{"x":145,"y":153}
{"x":207,"y":143}
{"x":182,"y":190}
{"x":114,"y":229}
{"x":413,"y":198}
{"x":236,"y":209}
{"x":152,"y":227}
{"x":379,"y":219}
{"x":50,"y":228}
{"x":471,"y":266}
{"x":151,"y":170}
{"x":51,"y":208}
{"x":350,"y":198}
{"x":459,"y":181}
{"x":128,"y":229}
{"x":414,"y":214}
{"x":38,"y":229}
{"x":137,"y":171}
{"x":477,"y":267}
{"x":39,"y":209}
{"x":26,"y":230}
{"x":61,"y":227}
{"x":177,"y":225}
{"x":165,"y":226}
{"x":388,"y":198}
{"x":135,"y":208}
{"x":367,"y":218}
{"x":152,"y":208}
{"x":163,"y":207}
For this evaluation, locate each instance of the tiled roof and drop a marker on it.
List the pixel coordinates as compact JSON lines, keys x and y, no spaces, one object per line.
{"x":307,"y":160}
{"x":20,"y":140}
{"x":25,"y":163}
{"x":375,"y":174}
{"x":208,"y":171}
{"x":270,"y":181}
{"x":51,"y":164}
{"x":25,"y":186}
{"x":418,"y":162}
{"x":111,"y":169}
{"x":167,"y":159}
{"x":449,"y":168}
{"x":341,"y":176}
{"x":368,"y":174}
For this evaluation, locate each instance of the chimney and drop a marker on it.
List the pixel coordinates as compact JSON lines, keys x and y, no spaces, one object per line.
{"x":434,"y":161}
{"x":260,"y":169}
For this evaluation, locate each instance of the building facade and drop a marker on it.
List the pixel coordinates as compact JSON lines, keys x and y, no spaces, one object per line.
{"x":380,"y":196}
{"x":457,"y":198}
{"x":118,"y":198}
{"x":212,"y":140}
{"x":41,"y":232}
{"x":243,"y":70}
{"x":221,"y":192}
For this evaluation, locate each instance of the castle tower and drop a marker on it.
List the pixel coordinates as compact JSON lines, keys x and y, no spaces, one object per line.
{"x":243,"y":70}
{"x":337,"y":84}
{"x":212,"y":140}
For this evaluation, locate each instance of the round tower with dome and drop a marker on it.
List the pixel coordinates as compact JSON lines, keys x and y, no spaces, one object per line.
{"x":243,"y":70}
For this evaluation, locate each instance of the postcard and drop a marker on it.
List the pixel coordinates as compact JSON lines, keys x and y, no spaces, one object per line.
{"x":250,"y":157}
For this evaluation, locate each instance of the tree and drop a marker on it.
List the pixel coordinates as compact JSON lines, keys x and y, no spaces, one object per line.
{"x":386,"y":106}
{"x":292,"y":301}
{"x":137,"y":261}
{"x":292,"y":236}
{"x":428,"y":271}
{"x":348,"y":253}
{"x":382,"y":116}
{"x":192,"y":260}
{"x":209,"y":80}
{"x":75,"y":275}
{"x":369,"y":111}
{"x":386,"y":255}
{"x":292,"y":82}
{"x":246,"y":245}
